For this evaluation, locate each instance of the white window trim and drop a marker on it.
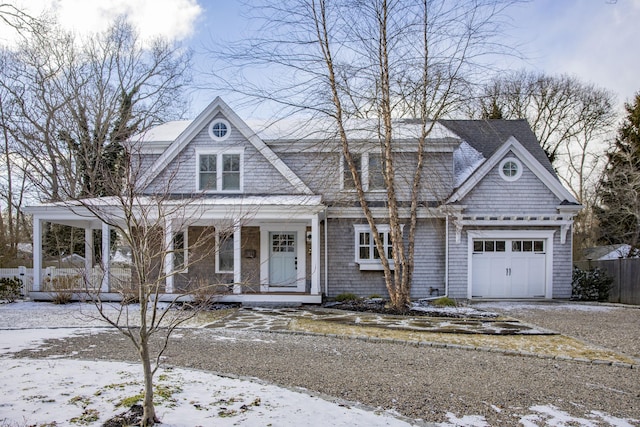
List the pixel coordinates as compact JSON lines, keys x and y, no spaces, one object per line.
{"x":219,"y":153}
{"x":218,"y":270}
{"x":518,"y":174}
{"x":219,"y":138}
{"x":364,"y":173}
{"x":185,"y":264}
{"x":370,"y":264}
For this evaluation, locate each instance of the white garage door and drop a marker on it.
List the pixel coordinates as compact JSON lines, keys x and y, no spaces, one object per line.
{"x":508,"y":268}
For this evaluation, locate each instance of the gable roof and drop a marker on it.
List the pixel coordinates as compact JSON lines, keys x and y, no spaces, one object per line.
{"x":512,"y":144}
{"x":615,"y":251}
{"x":487,"y":136}
{"x":191,"y":130}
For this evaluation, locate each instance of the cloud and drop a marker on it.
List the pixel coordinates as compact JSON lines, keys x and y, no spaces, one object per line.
{"x":594,"y":41}
{"x":172,"y":19}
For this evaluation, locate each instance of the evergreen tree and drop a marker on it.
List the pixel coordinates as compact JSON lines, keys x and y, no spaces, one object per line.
{"x":619,"y":194}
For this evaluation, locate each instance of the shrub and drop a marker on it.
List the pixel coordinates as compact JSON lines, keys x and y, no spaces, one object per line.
{"x":590,"y":285}
{"x":62,"y":287}
{"x":444,"y":302}
{"x":10,"y":288}
{"x":346,"y":296}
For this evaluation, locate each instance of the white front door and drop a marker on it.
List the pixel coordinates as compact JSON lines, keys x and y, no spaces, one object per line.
{"x":508,"y":268}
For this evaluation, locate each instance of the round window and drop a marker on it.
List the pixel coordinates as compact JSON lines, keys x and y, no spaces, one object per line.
{"x":219,"y":130}
{"x":510,"y":169}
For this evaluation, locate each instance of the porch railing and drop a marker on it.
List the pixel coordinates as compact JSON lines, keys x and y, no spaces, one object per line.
{"x":70,"y":279}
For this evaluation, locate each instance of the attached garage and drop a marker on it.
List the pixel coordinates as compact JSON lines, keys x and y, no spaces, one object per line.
{"x":510,"y":264}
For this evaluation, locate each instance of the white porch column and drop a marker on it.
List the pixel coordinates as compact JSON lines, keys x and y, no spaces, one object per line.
{"x":168,"y":259}
{"x":237,"y":260}
{"x":88,"y":253}
{"x":315,"y":255}
{"x":106,"y":257}
{"x":37,"y":254}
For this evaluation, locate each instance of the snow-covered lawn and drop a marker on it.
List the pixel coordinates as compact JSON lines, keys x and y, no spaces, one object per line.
{"x":71,"y":392}
{"x":63,"y":392}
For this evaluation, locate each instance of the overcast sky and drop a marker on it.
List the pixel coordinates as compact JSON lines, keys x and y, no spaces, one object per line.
{"x":595,"y":40}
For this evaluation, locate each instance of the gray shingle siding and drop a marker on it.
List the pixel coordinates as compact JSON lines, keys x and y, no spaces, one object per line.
{"x":458,"y":266}
{"x":526,"y":196}
{"x":259,"y":175}
{"x":345,"y":275}
{"x":319,"y":167}
{"x":562,"y":265}
{"x":321,"y":172}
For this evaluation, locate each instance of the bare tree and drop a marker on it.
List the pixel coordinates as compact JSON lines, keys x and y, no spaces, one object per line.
{"x":76,"y":100}
{"x":562,"y":112}
{"x":382,"y":60}
{"x":13,"y":189}
{"x":19,"y":20}
{"x":572,"y":121}
{"x":145,"y":224}
{"x":69,"y":108}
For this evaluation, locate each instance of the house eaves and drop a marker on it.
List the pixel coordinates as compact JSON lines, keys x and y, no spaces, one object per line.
{"x":513,"y":145}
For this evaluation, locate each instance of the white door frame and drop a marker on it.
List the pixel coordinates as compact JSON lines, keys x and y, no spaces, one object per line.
{"x":512,"y":234}
{"x":301,"y":276}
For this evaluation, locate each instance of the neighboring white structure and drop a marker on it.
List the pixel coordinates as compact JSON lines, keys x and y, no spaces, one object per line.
{"x":606,"y":252}
{"x":494,"y":221}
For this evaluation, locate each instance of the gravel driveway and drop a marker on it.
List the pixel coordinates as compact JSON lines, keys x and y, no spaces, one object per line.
{"x":418,"y":382}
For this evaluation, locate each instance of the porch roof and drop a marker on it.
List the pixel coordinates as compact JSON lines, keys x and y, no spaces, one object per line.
{"x":88,"y":211}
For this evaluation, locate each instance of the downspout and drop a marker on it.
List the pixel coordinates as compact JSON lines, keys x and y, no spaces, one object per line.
{"x":446,"y":264}
{"x":446,"y":256}
{"x":326,"y":256}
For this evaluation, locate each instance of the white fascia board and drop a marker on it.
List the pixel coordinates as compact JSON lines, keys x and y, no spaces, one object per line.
{"x":512,"y":144}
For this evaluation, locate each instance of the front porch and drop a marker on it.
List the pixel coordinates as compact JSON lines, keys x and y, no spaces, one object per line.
{"x":263,"y":250}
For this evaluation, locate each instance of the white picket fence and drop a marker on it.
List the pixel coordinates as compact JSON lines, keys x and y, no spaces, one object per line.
{"x":70,"y":278}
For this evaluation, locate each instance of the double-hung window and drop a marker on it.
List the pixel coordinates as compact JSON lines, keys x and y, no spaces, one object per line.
{"x":366,"y":251}
{"x":180,"y":251}
{"x":224,"y":252}
{"x":348,"y":182}
{"x":220,"y":172}
{"x":369,"y":168}
{"x":374,"y":172}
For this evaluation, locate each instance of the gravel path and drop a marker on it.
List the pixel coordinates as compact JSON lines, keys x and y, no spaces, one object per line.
{"x":419,"y":382}
{"x":616,"y":327}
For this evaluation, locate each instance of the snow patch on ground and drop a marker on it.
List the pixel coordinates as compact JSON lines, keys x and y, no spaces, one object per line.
{"x":59,"y":391}
{"x":515,"y":306}
{"x":461,"y":311}
{"x":545,"y":415}
{"x":12,"y":341}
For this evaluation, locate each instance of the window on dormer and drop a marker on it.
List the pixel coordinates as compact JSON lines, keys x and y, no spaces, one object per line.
{"x":219,"y":130}
{"x":231,"y":172}
{"x":376,"y":179}
{"x":207,"y":173}
{"x":369,"y":167}
{"x":349,"y":183}
{"x":220,"y":172}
